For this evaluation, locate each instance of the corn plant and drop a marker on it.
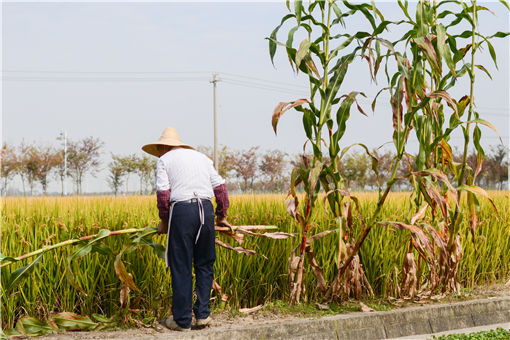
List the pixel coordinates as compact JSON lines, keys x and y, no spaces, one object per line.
{"x":325,"y":56}
{"x":430,"y":59}
{"x":419,"y":99}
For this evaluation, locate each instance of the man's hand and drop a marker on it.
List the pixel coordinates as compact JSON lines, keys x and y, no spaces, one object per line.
{"x":163,"y":227}
{"x":224,"y":223}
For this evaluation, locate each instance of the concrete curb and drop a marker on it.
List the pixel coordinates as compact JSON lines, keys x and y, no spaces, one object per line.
{"x":374,"y":325}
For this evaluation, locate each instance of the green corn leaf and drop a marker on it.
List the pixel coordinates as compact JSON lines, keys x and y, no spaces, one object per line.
{"x":499,"y":35}
{"x":101,"y":249}
{"x":20,"y":273}
{"x":72,"y":321}
{"x":272,"y":38}
{"x":298,"y":8}
{"x":404,"y":7}
{"x":343,"y":114}
{"x":308,"y":122}
{"x":492,"y":53}
{"x":34,"y":327}
{"x":313,"y":178}
{"x":364,"y":9}
{"x":304,"y":47}
{"x":6,"y":258}
{"x":158,"y":249}
{"x":477,"y":191}
{"x":477,"y":136}
{"x":481,"y":67}
{"x":443,"y":48}
{"x":337,"y":10}
{"x":505,"y":3}
{"x":489,"y":125}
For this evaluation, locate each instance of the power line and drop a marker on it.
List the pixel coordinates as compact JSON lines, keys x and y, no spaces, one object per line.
{"x":105,"y":72}
{"x":264,"y":80}
{"x":264,"y":85}
{"x":102,"y":79}
{"x":272,"y":89}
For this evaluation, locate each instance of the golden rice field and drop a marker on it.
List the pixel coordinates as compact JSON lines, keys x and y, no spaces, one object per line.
{"x":30,"y":223}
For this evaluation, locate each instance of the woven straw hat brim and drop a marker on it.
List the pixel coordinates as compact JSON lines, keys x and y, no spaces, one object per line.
{"x":153,"y":148}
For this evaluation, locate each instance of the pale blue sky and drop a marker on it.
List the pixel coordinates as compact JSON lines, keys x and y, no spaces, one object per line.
{"x":104,"y":45}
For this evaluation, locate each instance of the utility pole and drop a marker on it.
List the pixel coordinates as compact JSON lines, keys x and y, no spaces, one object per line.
{"x":215,"y":152}
{"x":63,"y":136}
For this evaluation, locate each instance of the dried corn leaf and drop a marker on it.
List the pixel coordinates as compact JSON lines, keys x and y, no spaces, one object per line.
{"x":365,"y":308}
{"x":217,"y":288}
{"x":237,"y":236}
{"x":124,"y":294}
{"x":279,"y":235}
{"x":419,"y":215}
{"x":319,"y":236}
{"x":240,"y":250}
{"x":250,"y":310}
{"x":409,"y":285}
{"x":317,"y":270}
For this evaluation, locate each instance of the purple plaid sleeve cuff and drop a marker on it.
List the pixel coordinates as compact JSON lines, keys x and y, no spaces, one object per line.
{"x":222,"y":203}
{"x":163,"y":197}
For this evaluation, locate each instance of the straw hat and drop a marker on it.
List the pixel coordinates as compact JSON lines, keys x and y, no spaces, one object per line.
{"x":168,"y":137}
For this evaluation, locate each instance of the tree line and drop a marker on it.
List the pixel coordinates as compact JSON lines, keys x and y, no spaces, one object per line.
{"x":249,"y":170}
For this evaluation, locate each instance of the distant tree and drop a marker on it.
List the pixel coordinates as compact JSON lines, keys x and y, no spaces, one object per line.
{"x":496,"y":167}
{"x":60,"y":169}
{"x":128,"y":164}
{"x":245,"y":164}
{"x":22,"y":166}
{"x":272,"y":167}
{"x":29,"y":164}
{"x":115,"y":177}
{"x":384,"y":166}
{"x":44,"y":160}
{"x":144,"y":167}
{"x":83,"y":158}
{"x":9,"y":165}
{"x":356,"y":169}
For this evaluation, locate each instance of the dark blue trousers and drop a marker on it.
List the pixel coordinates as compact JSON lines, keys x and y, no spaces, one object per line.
{"x":183,"y":253}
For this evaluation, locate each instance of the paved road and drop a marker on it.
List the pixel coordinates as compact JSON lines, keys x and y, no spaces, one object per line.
{"x":457,"y":331}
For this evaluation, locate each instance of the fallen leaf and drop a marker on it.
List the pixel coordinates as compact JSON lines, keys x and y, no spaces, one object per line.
{"x":250,"y":310}
{"x":322,"y":306}
{"x":365,"y":308}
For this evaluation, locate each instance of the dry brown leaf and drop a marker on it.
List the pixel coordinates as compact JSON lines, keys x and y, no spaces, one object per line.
{"x":292,"y":206}
{"x":365,"y":308}
{"x":250,"y":310}
{"x":317,"y":271}
{"x":319,"y":236}
{"x":322,"y":306}
{"x":282,"y":107}
{"x":238,"y":237}
{"x":419,"y":215}
{"x":279,"y":235}
{"x":409,"y":276}
{"x":217,"y":288}
{"x":124,"y":294}
{"x":240,"y":250}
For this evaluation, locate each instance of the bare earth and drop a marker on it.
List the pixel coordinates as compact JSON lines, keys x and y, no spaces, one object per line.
{"x":225,"y":320}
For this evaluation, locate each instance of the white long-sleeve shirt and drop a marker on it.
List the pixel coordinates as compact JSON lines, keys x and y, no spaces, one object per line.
{"x":187,"y":174}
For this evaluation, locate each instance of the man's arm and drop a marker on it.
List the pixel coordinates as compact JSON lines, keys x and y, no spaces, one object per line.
{"x":222,"y":202}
